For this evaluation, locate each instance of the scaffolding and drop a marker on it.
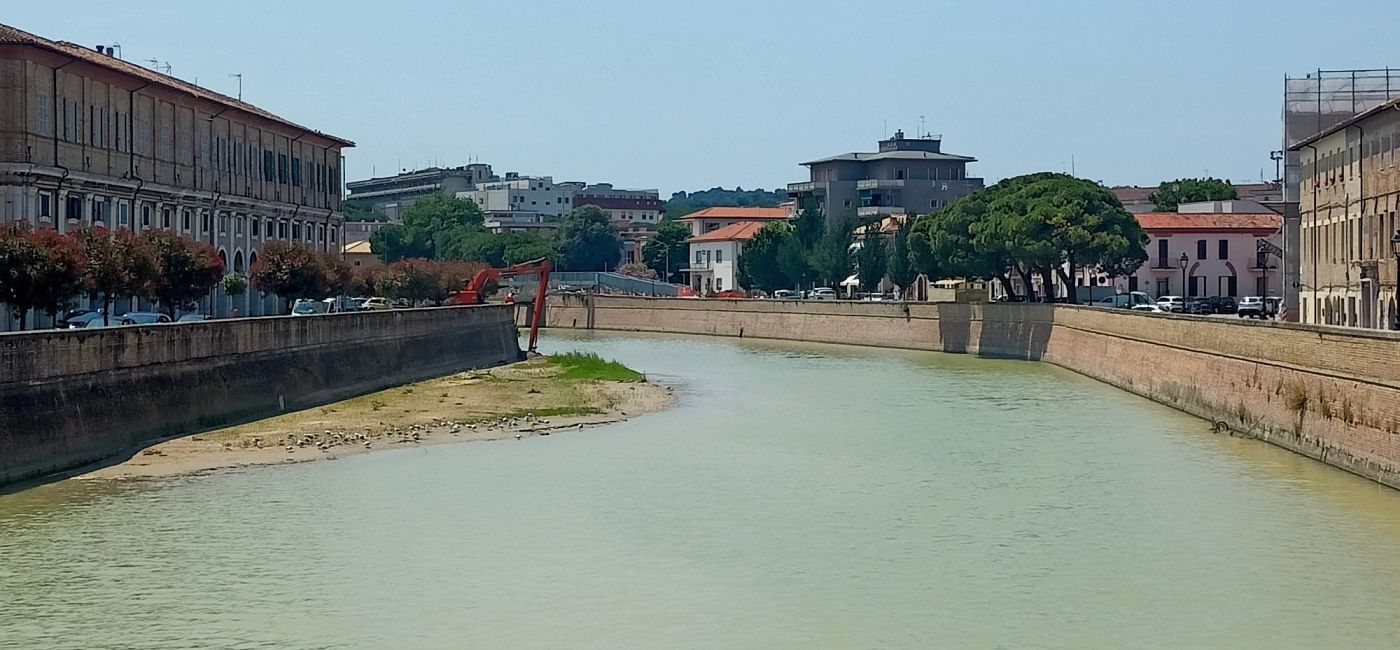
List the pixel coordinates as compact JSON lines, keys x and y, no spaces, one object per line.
{"x":1323,"y":99}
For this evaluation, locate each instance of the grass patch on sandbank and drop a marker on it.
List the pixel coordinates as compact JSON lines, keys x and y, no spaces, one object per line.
{"x":590,"y":366}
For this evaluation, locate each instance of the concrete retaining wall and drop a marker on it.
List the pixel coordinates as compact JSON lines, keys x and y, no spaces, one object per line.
{"x":70,"y":398}
{"x":1327,"y":393}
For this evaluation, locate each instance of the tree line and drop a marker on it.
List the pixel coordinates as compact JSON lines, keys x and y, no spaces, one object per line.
{"x":447,"y":228}
{"x":45,"y":270}
{"x":683,"y":203}
{"x":1045,"y":225}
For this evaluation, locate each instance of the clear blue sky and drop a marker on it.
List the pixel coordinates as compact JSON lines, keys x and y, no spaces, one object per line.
{"x":689,"y":95}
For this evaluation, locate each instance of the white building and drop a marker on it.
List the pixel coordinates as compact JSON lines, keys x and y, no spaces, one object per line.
{"x":714,"y":257}
{"x":537,"y":194}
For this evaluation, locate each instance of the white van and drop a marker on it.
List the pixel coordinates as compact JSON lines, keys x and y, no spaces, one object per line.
{"x":309,"y":307}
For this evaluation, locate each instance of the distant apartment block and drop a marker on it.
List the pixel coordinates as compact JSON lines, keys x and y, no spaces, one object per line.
{"x":643,"y":207}
{"x":87,"y":139}
{"x":906,"y":176}
{"x":529,"y":194}
{"x":389,"y":195}
{"x":1349,"y":182}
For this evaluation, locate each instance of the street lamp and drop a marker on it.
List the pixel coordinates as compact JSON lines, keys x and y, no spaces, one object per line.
{"x":1395,"y":250}
{"x":1182,"y":262}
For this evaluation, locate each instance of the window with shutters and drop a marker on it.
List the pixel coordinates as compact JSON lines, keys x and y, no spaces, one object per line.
{"x":43,"y":115}
{"x":296,"y":172}
{"x":282,"y":168}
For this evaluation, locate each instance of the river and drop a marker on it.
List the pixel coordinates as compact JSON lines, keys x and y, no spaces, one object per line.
{"x":798,"y":496}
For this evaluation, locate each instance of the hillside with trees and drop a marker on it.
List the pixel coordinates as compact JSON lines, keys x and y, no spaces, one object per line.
{"x":683,"y":203}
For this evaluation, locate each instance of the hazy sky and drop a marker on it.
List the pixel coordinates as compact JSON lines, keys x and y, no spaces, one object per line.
{"x":688,"y":95}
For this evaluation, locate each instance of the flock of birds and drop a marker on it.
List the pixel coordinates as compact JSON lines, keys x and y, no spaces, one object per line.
{"x":413,"y":433}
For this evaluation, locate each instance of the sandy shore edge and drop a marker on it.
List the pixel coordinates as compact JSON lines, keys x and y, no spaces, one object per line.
{"x":218,"y":450}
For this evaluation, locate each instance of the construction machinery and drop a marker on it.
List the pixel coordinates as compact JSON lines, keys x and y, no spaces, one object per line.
{"x":475,"y":291}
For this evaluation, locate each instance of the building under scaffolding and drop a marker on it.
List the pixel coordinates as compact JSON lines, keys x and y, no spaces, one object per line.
{"x":1323,"y":99}
{"x":1313,"y":103}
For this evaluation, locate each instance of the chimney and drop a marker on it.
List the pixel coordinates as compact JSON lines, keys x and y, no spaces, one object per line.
{"x":110,"y":51}
{"x":98,"y":48}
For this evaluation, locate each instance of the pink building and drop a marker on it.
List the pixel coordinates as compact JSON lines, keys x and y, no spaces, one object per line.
{"x":1220,"y":253}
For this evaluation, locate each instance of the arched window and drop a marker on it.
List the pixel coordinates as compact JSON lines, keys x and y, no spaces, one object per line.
{"x":238,"y":262}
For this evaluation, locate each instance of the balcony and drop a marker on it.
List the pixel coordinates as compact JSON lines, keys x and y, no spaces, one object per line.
{"x":879,"y":211}
{"x":805,"y":188}
{"x":879,"y":183}
{"x":1165,"y":263}
{"x":705,"y":265}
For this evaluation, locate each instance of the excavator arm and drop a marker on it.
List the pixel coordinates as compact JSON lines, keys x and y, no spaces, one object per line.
{"x":474,"y":292}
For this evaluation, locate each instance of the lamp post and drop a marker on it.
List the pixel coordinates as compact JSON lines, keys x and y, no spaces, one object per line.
{"x":1395,"y":250}
{"x":1182,"y":262}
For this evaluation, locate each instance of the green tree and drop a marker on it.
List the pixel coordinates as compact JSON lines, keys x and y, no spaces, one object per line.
{"x":439,"y":213}
{"x":361,"y":210}
{"x":235,"y":285}
{"x":188,"y":269}
{"x":637,"y":270}
{"x":901,"y":263}
{"x":1171,"y":194}
{"x":427,"y":225}
{"x":792,"y":261}
{"x":808,"y":226}
{"x":758,"y":263}
{"x":397,"y":241}
{"x":666,"y":251}
{"x":830,"y":259}
{"x":38,"y":270}
{"x":588,"y":240}
{"x":683,"y":203}
{"x":291,"y":270}
{"x":117,"y":265}
{"x":872,"y":258}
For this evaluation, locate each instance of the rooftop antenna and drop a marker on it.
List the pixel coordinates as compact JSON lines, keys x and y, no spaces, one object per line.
{"x":922,"y":133}
{"x":239,"y":77}
{"x":159,"y":66}
{"x":118,"y":48}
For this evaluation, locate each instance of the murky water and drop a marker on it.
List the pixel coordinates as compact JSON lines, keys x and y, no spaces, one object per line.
{"x":798,"y":497}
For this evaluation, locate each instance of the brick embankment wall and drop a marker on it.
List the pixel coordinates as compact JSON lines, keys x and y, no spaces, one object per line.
{"x":71,"y":398}
{"x":1327,"y":393}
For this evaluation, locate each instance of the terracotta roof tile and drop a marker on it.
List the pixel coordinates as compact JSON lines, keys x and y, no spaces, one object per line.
{"x":89,"y":55}
{"x":739,"y":213}
{"x":1208,"y":221}
{"x":732,"y":232}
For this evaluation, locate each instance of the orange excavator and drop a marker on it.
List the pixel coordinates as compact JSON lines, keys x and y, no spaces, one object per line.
{"x":475,"y":291}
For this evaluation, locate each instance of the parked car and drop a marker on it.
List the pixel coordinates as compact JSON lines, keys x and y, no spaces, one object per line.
{"x":73,"y":314}
{"x":822,"y":293}
{"x":1154,"y":309}
{"x":143,"y":318}
{"x":309,"y":307}
{"x":1225,"y":305}
{"x":192,"y":318}
{"x":1124,"y":300}
{"x":375,"y":304}
{"x":1175,"y":304}
{"x":787,"y":294}
{"x":85,"y":320}
{"x":1200,"y":306}
{"x":1251,"y":307}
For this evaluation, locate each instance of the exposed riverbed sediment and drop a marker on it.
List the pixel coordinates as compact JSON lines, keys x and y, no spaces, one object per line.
{"x":530,"y":398}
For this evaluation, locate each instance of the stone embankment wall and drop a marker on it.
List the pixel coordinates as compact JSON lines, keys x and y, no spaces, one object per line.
{"x":1328,"y":393}
{"x":70,"y":398}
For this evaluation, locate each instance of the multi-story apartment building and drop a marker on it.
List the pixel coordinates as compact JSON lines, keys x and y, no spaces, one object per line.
{"x":906,"y":176}
{"x":1204,"y":254}
{"x":515,"y":193}
{"x":389,"y":195}
{"x":1349,"y":193}
{"x":87,"y":139}
{"x":638,"y":207}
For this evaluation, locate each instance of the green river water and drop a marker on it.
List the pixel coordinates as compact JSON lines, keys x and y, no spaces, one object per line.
{"x":798,"y":496}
